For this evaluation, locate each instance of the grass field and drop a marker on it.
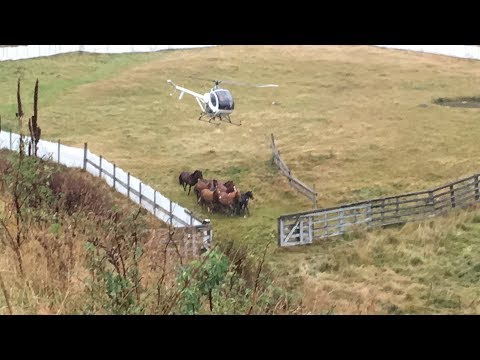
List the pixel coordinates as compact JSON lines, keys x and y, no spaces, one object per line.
{"x":355,"y":121}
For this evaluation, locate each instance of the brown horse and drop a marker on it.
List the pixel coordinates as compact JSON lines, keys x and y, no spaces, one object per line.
{"x":204,"y":184}
{"x":186,"y":178}
{"x":227,"y":187}
{"x":229,"y":200}
{"x":208,"y":198}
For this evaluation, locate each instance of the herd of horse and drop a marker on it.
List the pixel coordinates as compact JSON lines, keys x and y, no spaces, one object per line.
{"x":216,"y":195}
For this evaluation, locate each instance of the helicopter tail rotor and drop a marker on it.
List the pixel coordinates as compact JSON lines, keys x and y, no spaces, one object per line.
{"x":174,"y":86}
{"x":175,"y":89}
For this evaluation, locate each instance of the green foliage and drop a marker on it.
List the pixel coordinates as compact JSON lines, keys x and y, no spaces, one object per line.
{"x":28,"y":179}
{"x":25,"y":180}
{"x":113,"y":257}
{"x":200,"y":280}
{"x":215,"y":284}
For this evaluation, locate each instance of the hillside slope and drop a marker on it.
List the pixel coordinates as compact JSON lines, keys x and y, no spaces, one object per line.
{"x":355,"y":121}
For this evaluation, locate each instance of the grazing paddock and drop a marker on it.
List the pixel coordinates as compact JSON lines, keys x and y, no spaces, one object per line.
{"x":355,"y":122}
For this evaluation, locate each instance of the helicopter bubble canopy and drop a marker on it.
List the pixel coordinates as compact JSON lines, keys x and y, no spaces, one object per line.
{"x":225,"y":99}
{"x":220,"y":102}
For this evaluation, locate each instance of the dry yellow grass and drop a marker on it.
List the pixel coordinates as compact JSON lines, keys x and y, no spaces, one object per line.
{"x":425,"y":267}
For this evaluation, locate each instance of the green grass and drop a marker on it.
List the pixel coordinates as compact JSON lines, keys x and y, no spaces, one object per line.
{"x":347,"y":120}
{"x":58,"y":75}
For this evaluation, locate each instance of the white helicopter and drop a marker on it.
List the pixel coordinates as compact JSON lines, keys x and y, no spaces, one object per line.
{"x":218,"y":103}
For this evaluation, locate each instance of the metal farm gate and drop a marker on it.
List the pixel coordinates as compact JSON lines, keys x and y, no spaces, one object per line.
{"x":303,"y":228}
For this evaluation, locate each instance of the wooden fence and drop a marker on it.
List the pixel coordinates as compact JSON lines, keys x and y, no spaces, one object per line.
{"x":293,"y":181}
{"x":305,"y":227}
{"x":161,"y":207}
{"x":130,"y":186}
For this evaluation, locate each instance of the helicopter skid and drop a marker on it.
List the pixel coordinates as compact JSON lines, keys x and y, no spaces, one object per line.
{"x":209,"y":121}
{"x":212,"y":120}
{"x":230,"y":122}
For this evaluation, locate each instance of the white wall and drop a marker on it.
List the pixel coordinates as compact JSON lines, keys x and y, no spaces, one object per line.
{"x":33,"y":51}
{"x":460,"y":51}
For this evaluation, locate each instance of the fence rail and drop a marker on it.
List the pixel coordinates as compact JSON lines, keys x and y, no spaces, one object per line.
{"x":144,"y":195}
{"x":304,"y":227}
{"x":293,"y":181}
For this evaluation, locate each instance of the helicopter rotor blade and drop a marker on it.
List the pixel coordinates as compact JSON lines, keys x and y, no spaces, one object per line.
{"x":198,"y":78}
{"x":231,"y":82}
{"x":248,"y":84}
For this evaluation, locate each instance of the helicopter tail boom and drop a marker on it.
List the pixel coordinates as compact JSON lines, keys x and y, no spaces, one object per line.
{"x":183,"y":90}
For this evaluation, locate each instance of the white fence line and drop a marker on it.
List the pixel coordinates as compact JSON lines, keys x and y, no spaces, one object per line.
{"x":34,"y":51}
{"x":164,"y":209}
{"x":460,"y":51}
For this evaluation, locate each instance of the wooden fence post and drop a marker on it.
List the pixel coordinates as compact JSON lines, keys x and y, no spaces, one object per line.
{"x":100,"y":167}
{"x":383,"y":210}
{"x":341,"y":222}
{"x":140,"y":193}
{"x":85,"y":156}
{"x":452,"y":196}
{"x":155,"y":202}
{"x":369,"y":213}
{"x":300,"y":232}
{"x":431,"y":200}
{"x":476,"y":188}
{"x":114,"y":174}
{"x":325,"y":224}
{"x":280,"y":231}
{"x":58,"y":151}
{"x":273,"y":150}
{"x":310,"y":229}
{"x":191,"y":232}
{"x":128,"y":185}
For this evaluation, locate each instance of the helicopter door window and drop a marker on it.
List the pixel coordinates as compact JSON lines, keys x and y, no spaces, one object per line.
{"x":213,"y":100}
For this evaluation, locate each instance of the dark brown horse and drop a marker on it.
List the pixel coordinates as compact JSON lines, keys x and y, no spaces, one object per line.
{"x":186,"y":178}
{"x":242,"y":204}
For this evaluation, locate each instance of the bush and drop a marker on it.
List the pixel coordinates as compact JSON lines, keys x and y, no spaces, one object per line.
{"x":78,"y":193}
